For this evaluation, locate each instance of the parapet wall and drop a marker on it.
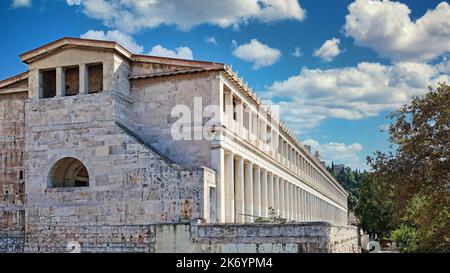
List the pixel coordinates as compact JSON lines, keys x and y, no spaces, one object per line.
{"x":295,"y":238}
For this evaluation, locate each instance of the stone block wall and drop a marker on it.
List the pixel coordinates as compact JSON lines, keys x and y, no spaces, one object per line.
{"x":12,"y":171}
{"x":153,"y":102}
{"x":186,"y":238}
{"x":129,"y":182}
{"x":283,"y":238}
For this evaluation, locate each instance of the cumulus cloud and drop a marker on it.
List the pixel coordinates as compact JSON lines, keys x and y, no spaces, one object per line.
{"x":350,"y":93}
{"x":340,"y":153}
{"x":387,"y":28}
{"x":180,"y":52}
{"x":259,"y":54}
{"x":133,"y":15}
{"x":211,"y":40}
{"x":297,"y":52}
{"x":328,"y":50}
{"x":21,"y":3}
{"x":73,"y":2}
{"x":114,"y":35}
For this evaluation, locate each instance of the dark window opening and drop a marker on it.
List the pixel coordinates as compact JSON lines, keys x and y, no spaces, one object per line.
{"x":269,"y":134}
{"x":95,"y":78}
{"x":72,"y":81}
{"x":48,"y":84}
{"x":235,"y":103}
{"x":68,"y":172}
{"x":21,"y":175}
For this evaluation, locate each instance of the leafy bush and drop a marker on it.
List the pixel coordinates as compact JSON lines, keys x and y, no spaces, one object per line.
{"x":405,"y":237}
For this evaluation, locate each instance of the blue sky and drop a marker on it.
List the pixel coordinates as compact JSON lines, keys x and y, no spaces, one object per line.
{"x":355,"y":61}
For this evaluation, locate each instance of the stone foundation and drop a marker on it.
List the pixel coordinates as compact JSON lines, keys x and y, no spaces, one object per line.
{"x":186,"y":238}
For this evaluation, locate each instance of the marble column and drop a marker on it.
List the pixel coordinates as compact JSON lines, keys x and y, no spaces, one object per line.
{"x":256,"y":191}
{"x":83,"y":80}
{"x":229,"y":187}
{"x":217,"y":162}
{"x":60,"y":82}
{"x":239,"y":190}
{"x":264,"y":194}
{"x":281,"y":198}
{"x":229,"y":106}
{"x":296,"y":204}
{"x":287,"y":195}
{"x":248,"y":190}
{"x":270,"y":191}
{"x":276,"y":195}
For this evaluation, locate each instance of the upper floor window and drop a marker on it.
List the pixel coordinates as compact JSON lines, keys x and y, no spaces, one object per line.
{"x":48,"y":83}
{"x":95,"y":78}
{"x":71,"y":81}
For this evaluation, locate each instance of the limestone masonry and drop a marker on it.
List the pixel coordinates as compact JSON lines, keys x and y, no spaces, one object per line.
{"x":89,"y":161}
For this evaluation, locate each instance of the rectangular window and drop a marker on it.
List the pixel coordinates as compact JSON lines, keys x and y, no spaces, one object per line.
{"x":72,"y":81}
{"x":48,"y":83}
{"x":95,"y":78}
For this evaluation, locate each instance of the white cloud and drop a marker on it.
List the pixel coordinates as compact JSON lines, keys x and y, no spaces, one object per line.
{"x":328,"y":50}
{"x":21,"y":3}
{"x":350,"y":93}
{"x":133,"y":15}
{"x":259,"y":54}
{"x":340,"y":153}
{"x":387,"y":28}
{"x":114,"y":35}
{"x":73,"y":2}
{"x":211,"y":40}
{"x":180,"y":52}
{"x":297,"y":52}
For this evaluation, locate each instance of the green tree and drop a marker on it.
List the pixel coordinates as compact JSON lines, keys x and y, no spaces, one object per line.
{"x":372,"y":209}
{"x":415,"y":178}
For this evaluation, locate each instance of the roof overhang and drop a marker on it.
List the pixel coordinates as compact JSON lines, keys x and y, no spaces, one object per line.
{"x":30,"y":56}
{"x":17,"y":78}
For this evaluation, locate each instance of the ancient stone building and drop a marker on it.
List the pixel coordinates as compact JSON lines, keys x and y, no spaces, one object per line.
{"x":89,"y":159}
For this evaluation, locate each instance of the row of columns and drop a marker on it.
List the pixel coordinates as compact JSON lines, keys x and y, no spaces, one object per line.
{"x":288,"y":155}
{"x":245,"y":191}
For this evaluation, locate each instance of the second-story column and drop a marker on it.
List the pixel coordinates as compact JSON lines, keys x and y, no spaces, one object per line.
{"x":229,"y":187}
{"x":248,"y":190}
{"x":264,"y":194}
{"x":83,"y":80}
{"x":60,"y":82}
{"x":239,"y":190}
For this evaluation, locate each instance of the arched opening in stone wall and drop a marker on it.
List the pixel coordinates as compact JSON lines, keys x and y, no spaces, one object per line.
{"x":68,"y":172}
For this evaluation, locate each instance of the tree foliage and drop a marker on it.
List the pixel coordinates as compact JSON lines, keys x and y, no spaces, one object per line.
{"x":373,"y":209}
{"x":350,"y":180}
{"x":415,"y":178}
